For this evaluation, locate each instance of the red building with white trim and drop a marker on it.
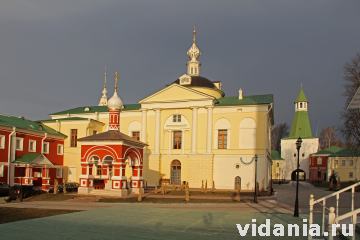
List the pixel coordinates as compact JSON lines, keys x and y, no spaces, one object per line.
{"x":318,"y":164}
{"x":31,"y":153}
{"x":107,"y":156}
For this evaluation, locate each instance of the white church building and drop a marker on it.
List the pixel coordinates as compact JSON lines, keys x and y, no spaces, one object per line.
{"x":301,"y":127}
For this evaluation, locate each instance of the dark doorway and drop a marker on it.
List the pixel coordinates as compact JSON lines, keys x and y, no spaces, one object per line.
{"x":302,"y":175}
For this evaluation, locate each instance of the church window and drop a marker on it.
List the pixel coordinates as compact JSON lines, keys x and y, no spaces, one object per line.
{"x":73,"y":138}
{"x":2,"y":170}
{"x":32,"y":146}
{"x":319,"y":161}
{"x":98,"y":170}
{"x":301,"y":105}
{"x":60,"y":149}
{"x":136,"y":135}
{"x":177,"y":118}
{"x":19,"y":144}
{"x":2,"y":141}
{"x":277,"y":164}
{"x":222,"y":139}
{"x":177,"y":139}
{"x":46,"y":147}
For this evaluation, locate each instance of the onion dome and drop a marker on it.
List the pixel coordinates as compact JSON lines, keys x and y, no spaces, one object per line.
{"x":115,"y":101}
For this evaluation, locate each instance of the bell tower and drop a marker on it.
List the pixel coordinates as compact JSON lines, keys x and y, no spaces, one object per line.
{"x":193,"y":64}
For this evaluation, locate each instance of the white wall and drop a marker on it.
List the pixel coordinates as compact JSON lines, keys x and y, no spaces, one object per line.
{"x":225,"y":171}
{"x":288,"y":149}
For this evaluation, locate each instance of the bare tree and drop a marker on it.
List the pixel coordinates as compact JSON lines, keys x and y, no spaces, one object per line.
{"x":280,"y":131}
{"x":328,"y":137}
{"x":351,"y":128}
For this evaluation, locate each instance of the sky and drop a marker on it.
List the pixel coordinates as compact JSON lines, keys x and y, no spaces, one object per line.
{"x":53,"y":53}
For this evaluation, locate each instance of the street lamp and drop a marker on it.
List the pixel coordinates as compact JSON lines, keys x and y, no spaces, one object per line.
{"x":298,"y":146}
{"x":255,"y":192}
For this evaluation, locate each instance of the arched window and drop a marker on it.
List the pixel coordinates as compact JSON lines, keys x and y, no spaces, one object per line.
{"x":247,"y":134}
{"x":175,"y":172}
{"x":108,"y":159}
{"x":94,"y":159}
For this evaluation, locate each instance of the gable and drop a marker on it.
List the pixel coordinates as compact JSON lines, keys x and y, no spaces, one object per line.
{"x":176,"y":93}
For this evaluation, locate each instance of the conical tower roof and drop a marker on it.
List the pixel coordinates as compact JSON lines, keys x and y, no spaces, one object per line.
{"x":301,"y":96}
{"x":301,"y":126}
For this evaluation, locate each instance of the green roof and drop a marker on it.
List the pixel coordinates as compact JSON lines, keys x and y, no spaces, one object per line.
{"x":346,"y":153}
{"x":301,"y":126}
{"x":33,"y":159}
{"x":247,"y":100}
{"x":275,"y":155}
{"x":93,"y":109}
{"x":330,"y":150}
{"x":25,"y":124}
{"x":69,"y":119}
{"x":301,"y":97}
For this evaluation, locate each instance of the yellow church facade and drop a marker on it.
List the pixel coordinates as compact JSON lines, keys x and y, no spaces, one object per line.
{"x":193,"y":132}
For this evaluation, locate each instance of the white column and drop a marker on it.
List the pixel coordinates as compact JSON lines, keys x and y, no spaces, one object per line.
{"x":157,"y":131}
{"x":209,"y":128}
{"x":143,"y":126}
{"x":170,"y":141}
{"x":182,"y":141}
{"x":194,"y":130}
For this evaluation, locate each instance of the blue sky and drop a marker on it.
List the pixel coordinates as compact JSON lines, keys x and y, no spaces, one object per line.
{"x":53,"y":53}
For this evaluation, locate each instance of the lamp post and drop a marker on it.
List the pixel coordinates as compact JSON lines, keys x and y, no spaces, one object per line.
{"x":298,"y":146}
{"x":255,"y":192}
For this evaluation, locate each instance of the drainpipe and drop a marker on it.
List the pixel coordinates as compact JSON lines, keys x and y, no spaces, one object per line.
{"x":271,"y":180}
{"x":10,"y":148}
{"x":42,"y":143}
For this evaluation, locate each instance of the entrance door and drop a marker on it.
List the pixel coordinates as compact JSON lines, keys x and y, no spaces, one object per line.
{"x":175,"y":172}
{"x":237,"y":182}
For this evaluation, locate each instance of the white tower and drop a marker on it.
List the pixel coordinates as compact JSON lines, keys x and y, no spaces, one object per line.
{"x":193,"y":64}
{"x":103,"y":100}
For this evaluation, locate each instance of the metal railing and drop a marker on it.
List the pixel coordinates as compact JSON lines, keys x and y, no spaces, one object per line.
{"x":333,"y":212}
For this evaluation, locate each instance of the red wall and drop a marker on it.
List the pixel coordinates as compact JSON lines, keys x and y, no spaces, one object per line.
{"x":4,"y":152}
{"x":27,"y":138}
{"x":52,"y":155}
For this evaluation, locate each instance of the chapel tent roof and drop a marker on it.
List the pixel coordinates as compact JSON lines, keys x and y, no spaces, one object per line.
{"x":112,"y":135}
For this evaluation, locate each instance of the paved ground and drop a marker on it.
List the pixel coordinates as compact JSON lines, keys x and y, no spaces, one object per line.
{"x":148,"y":221}
{"x":285,"y":194}
{"x":157,"y":221}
